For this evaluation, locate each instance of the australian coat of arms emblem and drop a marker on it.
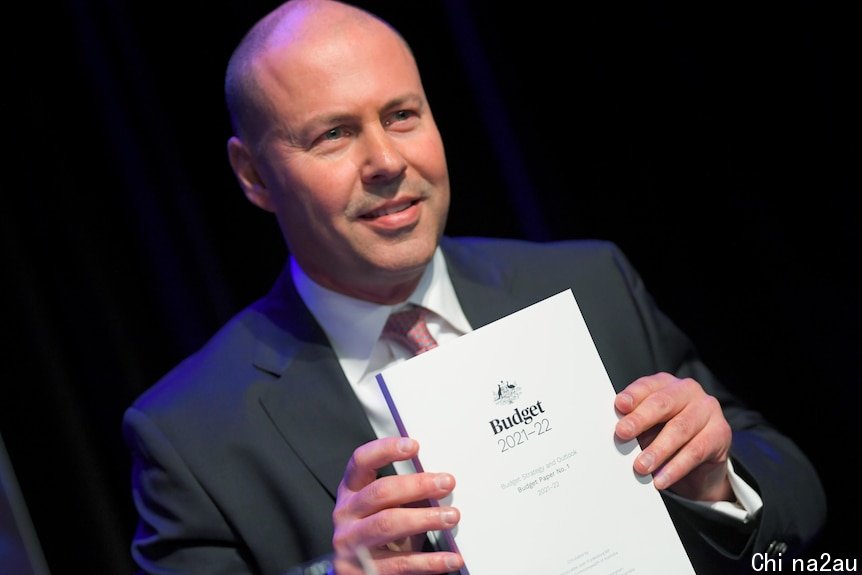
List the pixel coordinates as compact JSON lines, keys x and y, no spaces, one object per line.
{"x":506,"y":392}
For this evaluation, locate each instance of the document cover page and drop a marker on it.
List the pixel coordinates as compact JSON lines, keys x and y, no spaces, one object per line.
{"x":521,"y":412}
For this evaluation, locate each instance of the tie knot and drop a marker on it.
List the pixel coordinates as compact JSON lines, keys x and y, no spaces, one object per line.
{"x":408,"y":328}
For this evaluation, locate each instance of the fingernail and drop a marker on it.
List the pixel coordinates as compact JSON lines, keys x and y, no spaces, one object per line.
{"x":449,"y":517}
{"x":451,"y":562}
{"x":626,"y":427}
{"x":443,"y":481}
{"x":405,"y":444}
{"x":647,"y":460}
{"x":625,"y":400}
{"x":661,"y":479}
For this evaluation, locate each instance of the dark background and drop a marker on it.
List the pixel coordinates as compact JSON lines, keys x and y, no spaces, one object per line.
{"x":716,"y":142}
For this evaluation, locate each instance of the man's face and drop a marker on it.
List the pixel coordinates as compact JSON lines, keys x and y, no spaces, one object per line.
{"x":352,"y":163}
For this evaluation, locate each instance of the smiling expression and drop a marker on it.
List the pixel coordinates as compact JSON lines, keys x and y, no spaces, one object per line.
{"x":350,"y":160}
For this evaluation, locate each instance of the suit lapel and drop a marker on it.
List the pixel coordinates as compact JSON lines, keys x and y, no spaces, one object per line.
{"x":317,"y":414}
{"x":311,"y":402}
{"x":480,"y":284}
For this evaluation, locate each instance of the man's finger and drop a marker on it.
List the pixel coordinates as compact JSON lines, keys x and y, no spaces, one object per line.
{"x":396,"y":524}
{"x":399,"y":490}
{"x":389,"y":563}
{"x":674,"y":435}
{"x":656,"y":400}
{"x":374,"y":455}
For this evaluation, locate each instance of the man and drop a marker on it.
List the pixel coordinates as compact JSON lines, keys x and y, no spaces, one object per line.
{"x":272,"y":446}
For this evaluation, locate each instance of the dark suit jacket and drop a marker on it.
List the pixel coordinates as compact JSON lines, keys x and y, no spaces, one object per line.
{"x":237,"y":452}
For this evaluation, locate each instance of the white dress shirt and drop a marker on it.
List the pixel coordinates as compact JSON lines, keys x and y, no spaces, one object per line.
{"x":354,"y":328}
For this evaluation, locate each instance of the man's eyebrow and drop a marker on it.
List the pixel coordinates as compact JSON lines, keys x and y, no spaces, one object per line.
{"x":412,"y":99}
{"x":335,"y":118}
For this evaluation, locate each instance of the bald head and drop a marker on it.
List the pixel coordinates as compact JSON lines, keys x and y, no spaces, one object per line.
{"x":294,"y":23}
{"x":335,"y":137}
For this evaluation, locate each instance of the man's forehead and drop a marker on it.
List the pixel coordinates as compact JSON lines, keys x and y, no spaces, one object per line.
{"x":306,"y":36}
{"x":330,"y":48}
{"x":317,"y":23}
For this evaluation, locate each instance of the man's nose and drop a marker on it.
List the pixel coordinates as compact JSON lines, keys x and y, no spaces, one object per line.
{"x":382,"y":160}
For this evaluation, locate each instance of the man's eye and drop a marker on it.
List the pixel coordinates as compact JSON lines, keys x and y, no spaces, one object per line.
{"x":333,"y":134}
{"x":399,"y":116}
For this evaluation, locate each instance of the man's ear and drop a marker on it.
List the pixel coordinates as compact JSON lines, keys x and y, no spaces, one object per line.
{"x":242,"y":162}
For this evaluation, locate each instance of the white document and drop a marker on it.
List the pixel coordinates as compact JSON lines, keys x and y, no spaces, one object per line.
{"x":521,"y":413}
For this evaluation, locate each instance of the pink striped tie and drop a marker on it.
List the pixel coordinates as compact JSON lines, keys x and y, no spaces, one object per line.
{"x":408,"y":328}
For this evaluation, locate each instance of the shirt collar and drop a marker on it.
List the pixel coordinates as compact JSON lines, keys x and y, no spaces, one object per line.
{"x":353,"y":326}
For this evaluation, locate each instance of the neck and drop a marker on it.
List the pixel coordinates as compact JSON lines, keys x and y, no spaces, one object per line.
{"x":384,"y":295}
{"x":391,"y":292}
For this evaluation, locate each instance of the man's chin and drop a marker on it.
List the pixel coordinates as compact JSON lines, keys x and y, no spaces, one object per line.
{"x":392,"y":279}
{"x":403,"y":260}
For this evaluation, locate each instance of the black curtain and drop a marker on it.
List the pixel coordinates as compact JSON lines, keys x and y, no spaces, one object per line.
{"x":716,"y":142}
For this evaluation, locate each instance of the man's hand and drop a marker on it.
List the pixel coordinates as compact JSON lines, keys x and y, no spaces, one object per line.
{"x":389,"y":516}
{"x":683,"y":433}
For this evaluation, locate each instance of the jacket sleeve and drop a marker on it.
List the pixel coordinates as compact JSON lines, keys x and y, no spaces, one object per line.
{"x":180,"y":529}
{"x":794,"y":502}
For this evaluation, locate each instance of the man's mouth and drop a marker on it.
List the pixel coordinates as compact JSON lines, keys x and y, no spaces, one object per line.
{"x":388,"y":210}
